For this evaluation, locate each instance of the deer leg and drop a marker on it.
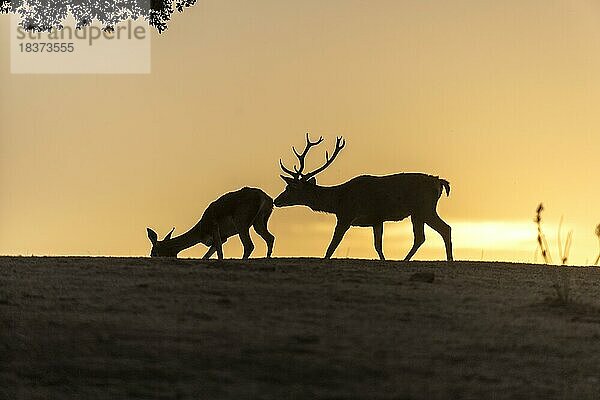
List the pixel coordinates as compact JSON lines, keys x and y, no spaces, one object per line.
{"x":217,"y":243}
{"x":246,"y":242}
{"x":338,"y":234}
{"x":261,"y":228}
{"x":378,"y":239}
{"x":419,"y":232}
{"x":441,"y":227}
{"x":210,"y":252}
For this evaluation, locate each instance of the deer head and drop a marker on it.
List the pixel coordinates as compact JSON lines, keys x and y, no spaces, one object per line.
{"x":300,"y":183}
{"x":161,"y":248}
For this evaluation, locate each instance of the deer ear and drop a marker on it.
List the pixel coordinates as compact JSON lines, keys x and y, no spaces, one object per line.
{"x":312,"y":181}
{"x":287,"y":179}
{"x":152,"y":235}
{"x":168,"y":237}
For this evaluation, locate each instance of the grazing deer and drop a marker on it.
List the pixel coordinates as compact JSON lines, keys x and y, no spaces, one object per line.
{"x":367,"y":200}
{"x":231,"y":214}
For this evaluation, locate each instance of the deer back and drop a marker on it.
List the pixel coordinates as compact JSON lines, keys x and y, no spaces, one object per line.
{"x":235,"y":211}
{"x":387,"y":198}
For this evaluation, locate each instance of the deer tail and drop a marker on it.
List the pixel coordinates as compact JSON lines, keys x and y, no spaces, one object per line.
{"x":446,"y":186}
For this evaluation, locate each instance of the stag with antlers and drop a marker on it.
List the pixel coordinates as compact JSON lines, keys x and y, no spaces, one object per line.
{"x":368,"y":201}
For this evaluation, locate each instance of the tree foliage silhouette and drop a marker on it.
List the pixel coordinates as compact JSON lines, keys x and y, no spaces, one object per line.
{"x":45,"y":15}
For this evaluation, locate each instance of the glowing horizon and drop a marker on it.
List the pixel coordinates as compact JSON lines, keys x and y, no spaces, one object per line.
{"x":512,"y":241}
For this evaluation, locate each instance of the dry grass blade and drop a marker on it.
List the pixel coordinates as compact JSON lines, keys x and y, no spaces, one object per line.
{"x":544,"y":249}
{"x":541,"y":238}
{"x":564,"y":251}
{"x":568,"y":246}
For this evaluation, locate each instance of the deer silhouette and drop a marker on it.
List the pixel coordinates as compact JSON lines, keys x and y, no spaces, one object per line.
{"x":368,"y":201}
{"x":231,"y":214}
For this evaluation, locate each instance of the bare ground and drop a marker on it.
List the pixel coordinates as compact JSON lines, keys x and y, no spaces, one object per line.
{"x":139,"y":328}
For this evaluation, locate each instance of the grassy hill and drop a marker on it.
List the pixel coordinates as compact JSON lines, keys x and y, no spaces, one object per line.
{"x":140,"y":328}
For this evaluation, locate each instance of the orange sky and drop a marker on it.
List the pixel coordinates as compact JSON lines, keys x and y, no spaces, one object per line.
{"x":500,"y":98}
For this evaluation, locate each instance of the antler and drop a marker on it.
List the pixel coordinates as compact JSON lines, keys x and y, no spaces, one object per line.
{"x":298,"y":174}
{"x":301,"y":158}
{"x":339,"y":145}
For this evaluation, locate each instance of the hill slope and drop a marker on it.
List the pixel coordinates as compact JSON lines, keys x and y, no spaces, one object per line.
{"x":108,"y":328}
